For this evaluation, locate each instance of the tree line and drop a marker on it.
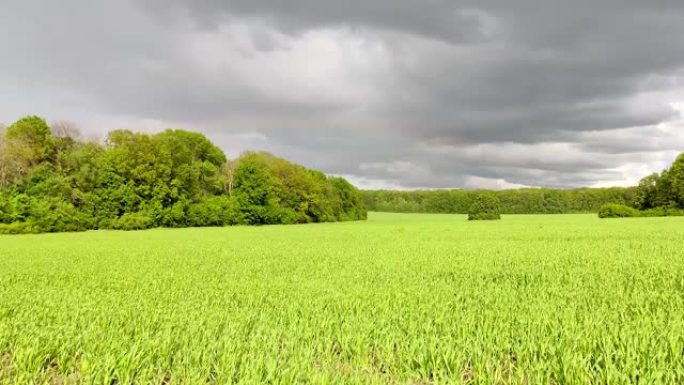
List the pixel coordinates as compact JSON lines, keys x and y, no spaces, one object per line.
{"x":662,"y":190}
{"x":659,"y":194}
{"x":51,"y":181}
{"x":520,"y":201}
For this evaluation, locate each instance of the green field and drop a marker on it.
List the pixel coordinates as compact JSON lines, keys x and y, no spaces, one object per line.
{"x":400,"y":299}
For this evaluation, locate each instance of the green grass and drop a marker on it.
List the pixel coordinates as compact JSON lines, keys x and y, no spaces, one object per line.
{"x":400,"y":299}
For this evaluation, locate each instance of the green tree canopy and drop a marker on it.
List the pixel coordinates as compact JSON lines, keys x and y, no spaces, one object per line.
{"x":135,"y":180}
{"x":676,"y":180}
{"x":664,"y":190}
{"x":29,"y":138}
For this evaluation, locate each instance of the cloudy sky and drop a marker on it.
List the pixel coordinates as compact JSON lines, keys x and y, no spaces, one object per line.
{"x":389,"y":93}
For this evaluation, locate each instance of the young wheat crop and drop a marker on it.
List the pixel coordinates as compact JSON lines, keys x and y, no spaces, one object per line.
{"x":400,"y":299}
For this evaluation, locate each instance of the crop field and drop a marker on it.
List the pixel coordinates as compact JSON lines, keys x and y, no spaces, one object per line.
{"x":400,"y":299}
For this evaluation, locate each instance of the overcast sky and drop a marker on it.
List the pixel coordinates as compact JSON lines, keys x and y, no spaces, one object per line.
{"x":389,"y":93}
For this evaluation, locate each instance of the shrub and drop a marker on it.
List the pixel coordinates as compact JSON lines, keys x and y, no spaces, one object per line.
{"x":617,"y":211}
{"x":132,"y":221}
{"x":213,"y":211}
{"x":484,"y":216}
{"x":17,"y":228}
{"x":174,"y":216}
{"x":485,"y":207}
{"x":662,"y":212}
{"x":51,"y":215}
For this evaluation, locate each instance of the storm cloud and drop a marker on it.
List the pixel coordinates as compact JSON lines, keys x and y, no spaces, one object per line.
{"x":394,"y":94}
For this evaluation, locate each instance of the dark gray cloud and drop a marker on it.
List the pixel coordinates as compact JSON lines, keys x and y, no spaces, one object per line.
{"x":401,"y":93}
{"x":441,"y":19}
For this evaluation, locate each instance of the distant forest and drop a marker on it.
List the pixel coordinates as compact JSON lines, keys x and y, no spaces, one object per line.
{"x":522,"y":201}
{"x":658,"y":194}
{"x":50,"y":181}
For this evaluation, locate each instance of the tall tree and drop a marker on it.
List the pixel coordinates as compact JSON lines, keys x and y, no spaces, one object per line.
{"x":676,"y":174}
{"x":30,"y":142}
{"x":254,"y":191}
{"x":645,"y":197}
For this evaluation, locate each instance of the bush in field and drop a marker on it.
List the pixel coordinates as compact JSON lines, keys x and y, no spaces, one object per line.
{"x":617,"y":211}
{"x":485,"y":207}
